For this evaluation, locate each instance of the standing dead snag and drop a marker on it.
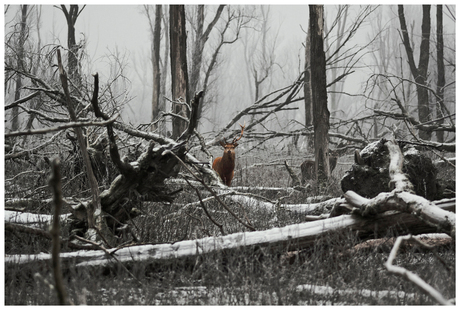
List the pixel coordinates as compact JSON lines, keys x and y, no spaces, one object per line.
{"x":55,"y":183}
{"x":225,"y":165}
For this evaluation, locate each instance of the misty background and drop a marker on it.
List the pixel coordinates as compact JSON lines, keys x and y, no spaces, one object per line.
{"x":116,"y":42}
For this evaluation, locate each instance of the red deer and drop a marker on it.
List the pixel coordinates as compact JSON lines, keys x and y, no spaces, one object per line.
{"x":308,"y":167}
{"x":225,"y":164}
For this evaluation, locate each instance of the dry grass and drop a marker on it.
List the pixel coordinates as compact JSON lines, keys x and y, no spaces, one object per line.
{"x":254,"y":276}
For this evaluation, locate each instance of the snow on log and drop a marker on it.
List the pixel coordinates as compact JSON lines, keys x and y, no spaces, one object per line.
{"x":399,"y":180}
{"x":329,"y":291}
{"x":306,"y":208}
{"x":290,"y":237}
{"x":30,"y":219}
{"x":314,"y":208}
{"x":401,"y":198}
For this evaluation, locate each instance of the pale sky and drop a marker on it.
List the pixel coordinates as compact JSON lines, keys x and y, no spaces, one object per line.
{"x":125,"y":28}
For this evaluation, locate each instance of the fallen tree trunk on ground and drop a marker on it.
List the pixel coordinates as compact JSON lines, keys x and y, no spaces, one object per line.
{"x":31,"y":219}
{"x":400,"y":211}
{"x":402,"y":197}
{"x":290,"y":237}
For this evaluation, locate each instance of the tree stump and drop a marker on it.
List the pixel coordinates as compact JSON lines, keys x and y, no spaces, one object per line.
{"x":369,"y":176}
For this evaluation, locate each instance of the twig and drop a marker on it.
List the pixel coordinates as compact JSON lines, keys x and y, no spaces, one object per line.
{"x":206,"y":210}
{"x":415,"y":279}
{"x":93,"y":213}
{"x":213,"y":193}
{"x":61,"y":127}
{"x":111,"y":254}
{"x":21,"y":100}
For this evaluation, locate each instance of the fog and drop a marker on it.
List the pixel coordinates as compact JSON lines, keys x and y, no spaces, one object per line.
{"x":117,"y":38}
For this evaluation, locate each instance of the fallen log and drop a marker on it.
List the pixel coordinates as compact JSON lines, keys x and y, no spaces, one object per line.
{"x":402,"y":197}
{"x":31,"y":219}
{"x":304,"y":208}
{"x":289,"y":238}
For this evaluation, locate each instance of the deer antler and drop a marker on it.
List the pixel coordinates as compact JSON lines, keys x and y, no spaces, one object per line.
{"x":242,"y":130}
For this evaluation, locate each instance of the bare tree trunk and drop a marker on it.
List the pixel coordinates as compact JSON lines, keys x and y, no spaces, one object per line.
{"x":201,"y":37}
{"x":179,"y":74}
{"x":307,"y":83}
{"x":319,"y":93}
{"x":340,"y":32}
{"x":156,"y":64}
{"x":20,"y":57}
{"x":198,"y":46}
{"x":441,"y":73}
{"x":71,"y":17}
{"x":419,"y":74}
{"x":162,"y":100}
{"x":55,"y":183}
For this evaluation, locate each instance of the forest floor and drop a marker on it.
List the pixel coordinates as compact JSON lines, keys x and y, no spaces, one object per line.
{"x":326,"y":274}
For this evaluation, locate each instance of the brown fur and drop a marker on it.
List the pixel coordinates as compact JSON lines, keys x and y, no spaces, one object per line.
{"x":225,"y":164}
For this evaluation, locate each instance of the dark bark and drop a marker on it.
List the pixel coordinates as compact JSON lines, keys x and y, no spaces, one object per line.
{"x":179,"y":74}
{"x":56,"y":186}
{"x":441,"y":82}
{"x":71,"y":16}
{"x":165,"y":65}
{"x":307,"y":83}
{"x":156,"y":63}
{"x":201,"y":37}
{"x":419,"y":73}
{"x":319,"y":93}
{"x":370,"y":175}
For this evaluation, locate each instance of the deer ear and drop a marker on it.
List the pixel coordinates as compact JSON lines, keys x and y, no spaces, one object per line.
{"x":235,"y":144}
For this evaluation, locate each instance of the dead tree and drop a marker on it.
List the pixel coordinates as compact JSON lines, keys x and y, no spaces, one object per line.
{"x":419,"y":73}
{"x":142,"y":180}
{"x":369,"y":175}
{"x":319,"y":94}
{"x":179,"y":72}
